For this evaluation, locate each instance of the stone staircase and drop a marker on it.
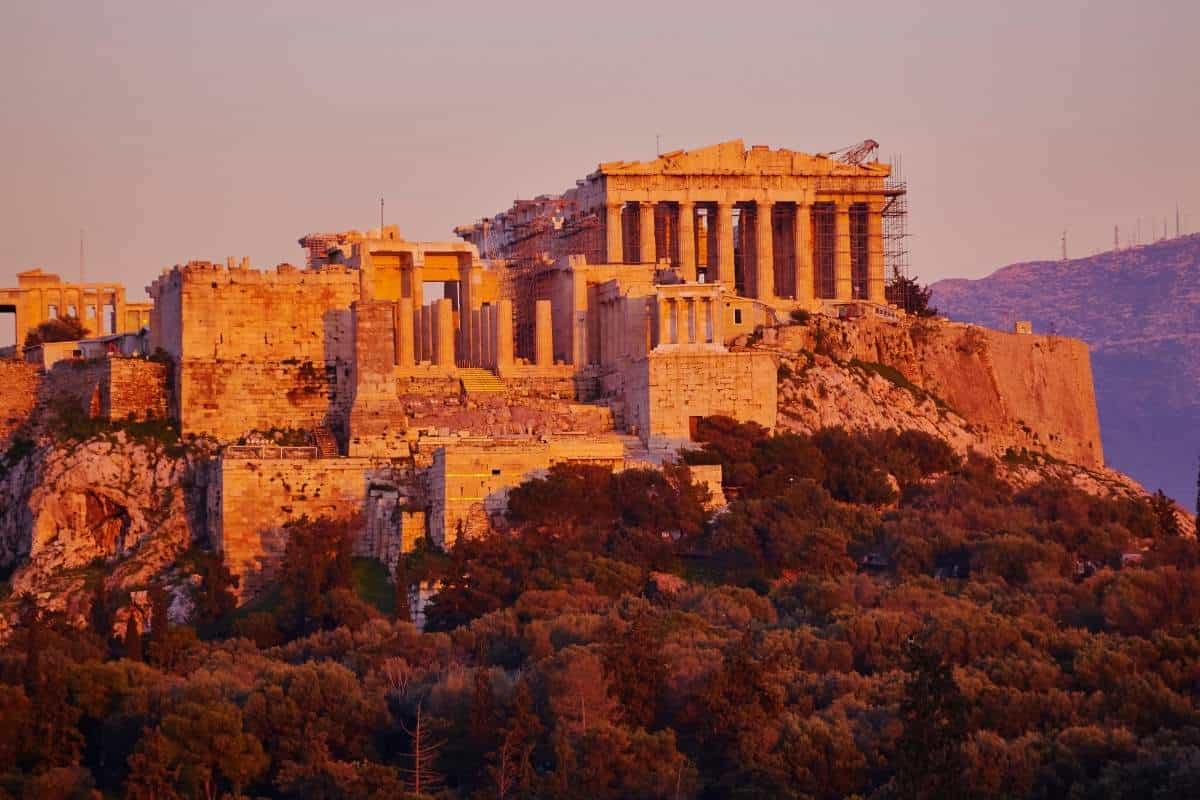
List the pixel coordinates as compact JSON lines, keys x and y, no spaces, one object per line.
{"x":479,"y":381}
{"x":327,"y":446}
{"x":636,"y":453}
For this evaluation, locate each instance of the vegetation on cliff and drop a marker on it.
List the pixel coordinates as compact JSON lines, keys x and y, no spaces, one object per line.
{"x":873,"y":614}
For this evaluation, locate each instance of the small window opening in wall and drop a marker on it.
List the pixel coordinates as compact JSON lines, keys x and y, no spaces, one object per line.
{"x":495,"y":472}
{"x":72,"y":311}
{"x":737,"y":316}
{"x":91,"y":312}
{"x":52,"y":311}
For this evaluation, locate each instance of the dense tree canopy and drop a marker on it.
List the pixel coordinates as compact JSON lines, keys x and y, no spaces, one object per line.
{"x":871,"y":615}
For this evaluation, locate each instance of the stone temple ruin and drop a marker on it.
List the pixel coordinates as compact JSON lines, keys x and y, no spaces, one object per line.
{"x":415,"y":382}
{"x":589,"y":326}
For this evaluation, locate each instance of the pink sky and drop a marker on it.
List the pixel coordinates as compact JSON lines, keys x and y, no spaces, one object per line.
{"x":175,"y":131}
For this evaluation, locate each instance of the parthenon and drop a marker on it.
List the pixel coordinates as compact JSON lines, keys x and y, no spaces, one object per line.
{"x":779,"y":226}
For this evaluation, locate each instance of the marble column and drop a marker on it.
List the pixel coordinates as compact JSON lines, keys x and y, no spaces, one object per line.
{"x":875,"y":276}
{"x":443,"y":323}
{"x":612,"y":234}
{"x":764,"y":274}
{"x":664,"y":322}
{"x":543,"y":334}
{"x":841,"y":264}
{"x":687,"y":241}
{"x":504,"y":334}
{"x":646,"y":254}
{"x":716,"y":310}
{"x":802,"y":236}
{"x":702,"y":321}
{"x":724,"y":226}
{"x":404,"y":332}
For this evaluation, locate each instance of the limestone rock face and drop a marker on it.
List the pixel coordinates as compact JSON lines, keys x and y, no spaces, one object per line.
{"x":1023,"y":392}
{"x":109,"y":505}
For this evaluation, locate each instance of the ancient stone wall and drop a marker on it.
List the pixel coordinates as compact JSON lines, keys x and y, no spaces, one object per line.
{"x":663,"y":392}
{"x":255,"y":349}
{"x":252,"y":498}
{"x":226,"y":399}
{"x":21,"y":384}
{"x":469,"y":481}
{"x":109,"y":388}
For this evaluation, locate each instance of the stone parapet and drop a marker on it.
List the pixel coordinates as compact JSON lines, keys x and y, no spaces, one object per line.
{"x":22,"y":385}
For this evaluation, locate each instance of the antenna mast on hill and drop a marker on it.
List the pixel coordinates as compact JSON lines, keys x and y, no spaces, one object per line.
{"x":1116,"y":238}
{"x":1177,"y":232}
{"x":1064,"y":247}
{"x":81,"y":255}
{"x":381,"y":216}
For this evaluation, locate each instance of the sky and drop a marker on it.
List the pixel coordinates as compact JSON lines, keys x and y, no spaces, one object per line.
{"x":169,"y":131}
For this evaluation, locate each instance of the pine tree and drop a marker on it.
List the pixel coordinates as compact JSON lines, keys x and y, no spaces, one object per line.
{"x":929,"y":759}
{"x":423,"y":752}
{"x":403,"y":610}
{"x":31,"y":617}
{"x":100,"y":616}
{"x":133,"y":639}
{"x":160,"y":623}
{"x":1166,"y":523}
{"x":214,"y":598}
{"x":511,"y":763}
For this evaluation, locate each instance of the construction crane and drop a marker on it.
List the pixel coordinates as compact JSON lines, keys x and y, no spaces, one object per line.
{"x":855,"y":154}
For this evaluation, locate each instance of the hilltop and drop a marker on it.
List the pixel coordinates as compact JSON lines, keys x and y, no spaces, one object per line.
{"x":1139,"y":310}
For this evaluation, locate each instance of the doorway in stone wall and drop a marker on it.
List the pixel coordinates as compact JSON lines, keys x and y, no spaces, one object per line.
{"x":8,"y":331}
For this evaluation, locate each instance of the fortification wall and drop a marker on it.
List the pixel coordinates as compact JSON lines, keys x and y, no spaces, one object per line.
{"x":256,"y":349}
{"x":1016,"y":390}
{"x":109,"y":388}
{"x":226,"y":399}
{"x":664,"y":391}
{"x":252,"y":498}
{"x":22,"y":384}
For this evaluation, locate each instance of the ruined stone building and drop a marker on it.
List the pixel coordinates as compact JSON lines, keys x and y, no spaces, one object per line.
{"x":590,"y":326}
{"x":101,"y":307}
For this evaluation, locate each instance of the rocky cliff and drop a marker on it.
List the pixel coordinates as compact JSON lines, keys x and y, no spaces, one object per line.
{"x":1006,"y":392}
{"x":112,"y":509}
{"x":1139,"y":310}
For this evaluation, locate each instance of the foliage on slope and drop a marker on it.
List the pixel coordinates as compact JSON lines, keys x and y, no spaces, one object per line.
{"x":872,"y":614}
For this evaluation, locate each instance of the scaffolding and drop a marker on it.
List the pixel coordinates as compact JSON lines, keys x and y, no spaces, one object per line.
{"x":895,"y":223}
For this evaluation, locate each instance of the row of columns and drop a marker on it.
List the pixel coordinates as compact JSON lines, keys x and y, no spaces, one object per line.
{"x":762,"y":272}
{"x":690,"y":320}
{"x":427,"y":334}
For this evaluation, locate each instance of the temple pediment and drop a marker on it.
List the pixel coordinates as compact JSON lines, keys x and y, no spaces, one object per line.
{"x":733,"y":158}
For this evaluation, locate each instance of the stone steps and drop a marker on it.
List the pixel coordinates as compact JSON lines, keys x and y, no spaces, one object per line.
{"x":479,"y":381}
{"x":327,"y":446}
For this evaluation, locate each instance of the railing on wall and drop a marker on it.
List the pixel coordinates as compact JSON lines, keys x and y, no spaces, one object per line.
{"x":269,"y":452}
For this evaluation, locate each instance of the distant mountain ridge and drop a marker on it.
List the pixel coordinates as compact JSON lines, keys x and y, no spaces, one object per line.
{"x":1139,"y":310}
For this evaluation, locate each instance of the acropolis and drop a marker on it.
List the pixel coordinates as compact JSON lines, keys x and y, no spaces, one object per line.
{"x":418,"y":381}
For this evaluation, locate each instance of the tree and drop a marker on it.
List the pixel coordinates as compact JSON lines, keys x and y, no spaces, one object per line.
{"x":207,"y":747}
{"x":929,"y":758}
{"x":1166,"y":523}
{"x":100,"y":616}
{"x":160,"y":622}
{"x":423,"y":752}
{"x":402,"y":609}
{"x":60,"y":329}
{"x":510,"y":765}
{"x":910,"y":295}
{"x":214,"y":597}
{"x":133,"y":639}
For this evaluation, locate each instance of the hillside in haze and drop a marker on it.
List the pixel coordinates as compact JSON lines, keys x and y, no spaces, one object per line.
{"x":1139,"y":309}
